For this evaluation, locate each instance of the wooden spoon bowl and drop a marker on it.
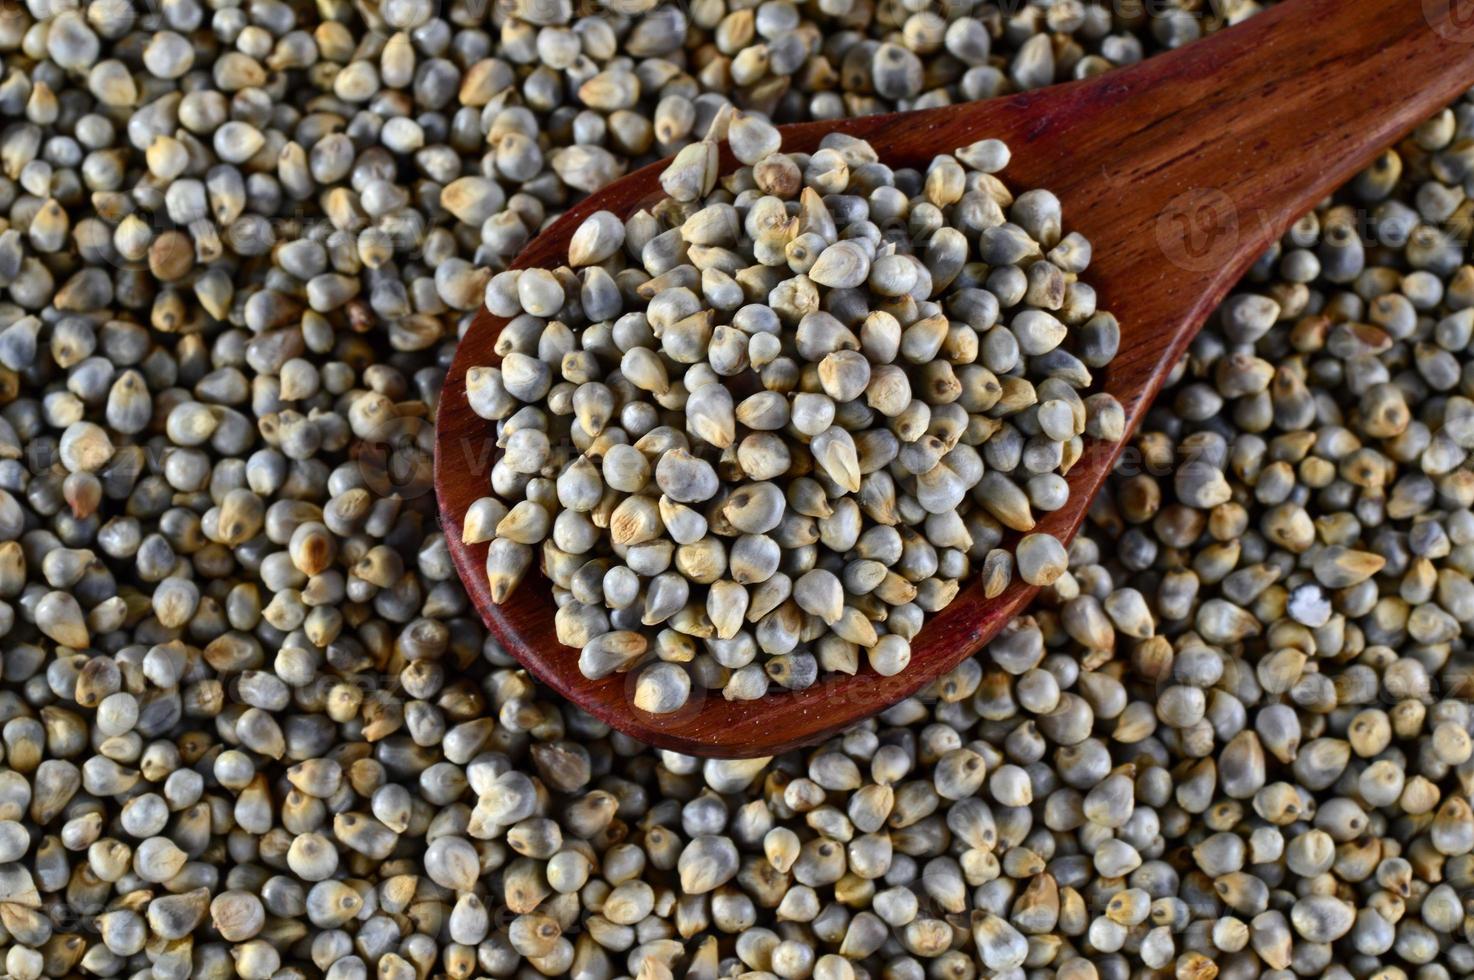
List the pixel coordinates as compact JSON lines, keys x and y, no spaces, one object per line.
{"x":1180,"y":170}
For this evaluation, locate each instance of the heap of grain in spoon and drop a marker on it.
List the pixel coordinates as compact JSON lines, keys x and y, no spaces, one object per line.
{"x":763,"y":428}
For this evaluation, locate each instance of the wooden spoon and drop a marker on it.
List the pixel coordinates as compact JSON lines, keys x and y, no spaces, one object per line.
{"x":1181,"y":171}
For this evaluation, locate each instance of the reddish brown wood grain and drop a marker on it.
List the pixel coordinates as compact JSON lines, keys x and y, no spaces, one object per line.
{"x":1181,"y":171}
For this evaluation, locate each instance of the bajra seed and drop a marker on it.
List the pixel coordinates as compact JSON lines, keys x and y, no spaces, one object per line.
{"x":731,"y":460}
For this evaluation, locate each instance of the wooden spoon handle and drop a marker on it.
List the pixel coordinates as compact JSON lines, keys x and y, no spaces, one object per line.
{"x":1286,"y":108}
{"x":1219,"y":145}
{"x":1281,"y":112}
{"x":1226,"y":142}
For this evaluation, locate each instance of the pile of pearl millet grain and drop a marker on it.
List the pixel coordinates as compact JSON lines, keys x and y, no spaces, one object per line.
{"x":839,"y":387}
{"x":250,"y":727}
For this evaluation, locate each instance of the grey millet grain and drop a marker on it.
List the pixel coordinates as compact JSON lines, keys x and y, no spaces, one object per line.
{"x":863,"y":349}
